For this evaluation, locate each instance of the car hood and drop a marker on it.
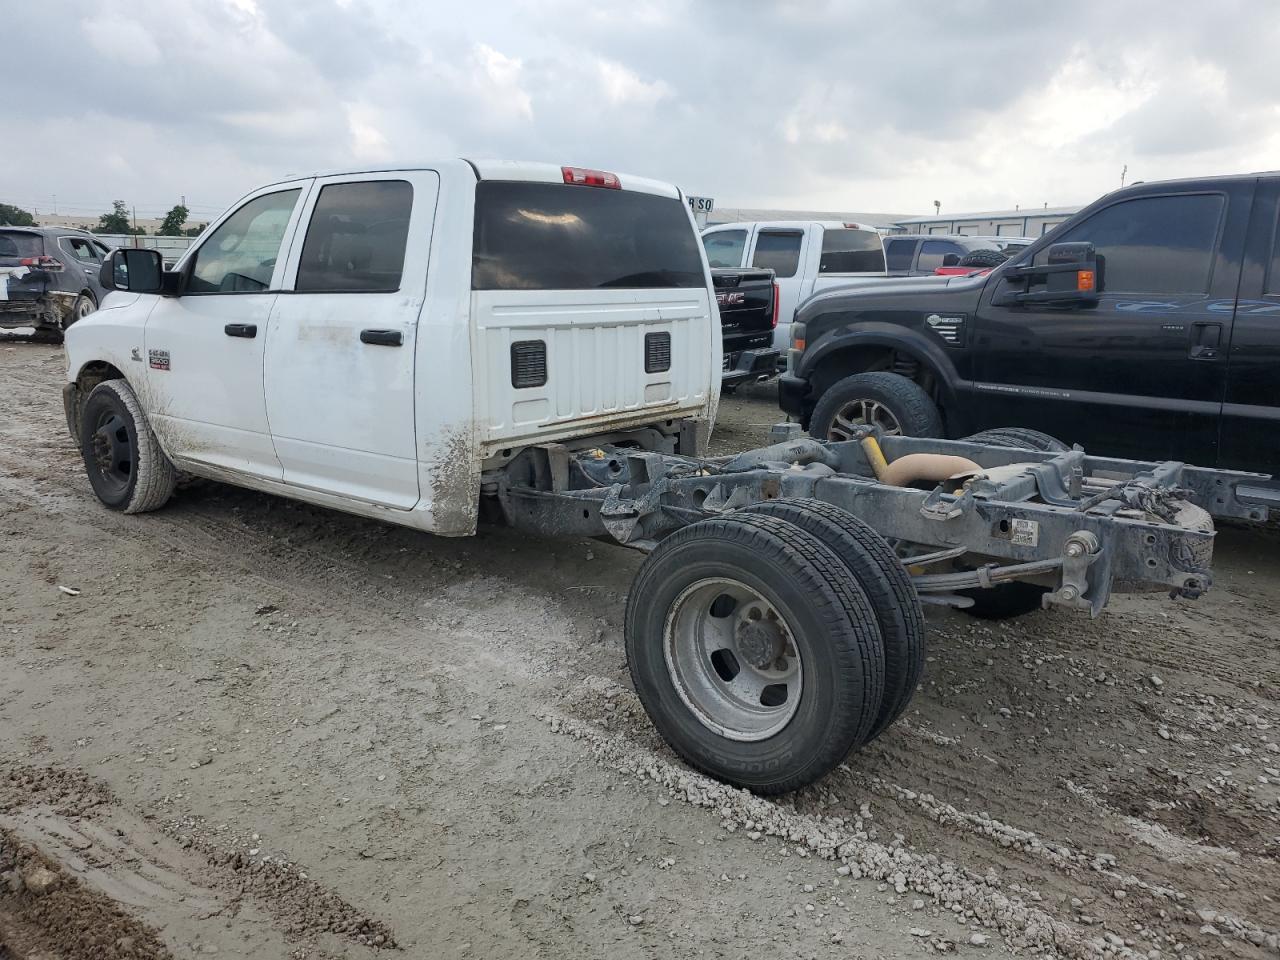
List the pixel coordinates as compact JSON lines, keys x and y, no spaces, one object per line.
{"x":858,"y":295}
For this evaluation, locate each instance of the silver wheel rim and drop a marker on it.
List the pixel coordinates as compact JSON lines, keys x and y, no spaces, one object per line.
{"x":863,"y":413}
{"x":86,"y":308}
{"x":732,"y":659}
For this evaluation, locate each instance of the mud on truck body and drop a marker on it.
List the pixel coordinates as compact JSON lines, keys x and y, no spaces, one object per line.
{"x":410,"y":343}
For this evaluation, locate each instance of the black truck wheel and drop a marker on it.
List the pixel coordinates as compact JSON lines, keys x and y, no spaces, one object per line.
{"x":127,"y":469}
{"x":872,"y":563}
{"x":1004,"y":601}
{"x":887,"y":400}
{"x":1020,"y":438}
{"x":757,"y":657}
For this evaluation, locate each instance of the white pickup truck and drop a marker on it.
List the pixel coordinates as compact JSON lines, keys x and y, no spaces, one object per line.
{"x":408,"y":343}
{"x":806,"y":256}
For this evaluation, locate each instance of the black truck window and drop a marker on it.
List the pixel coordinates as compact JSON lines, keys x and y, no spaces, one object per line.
{"x":1154,"y":245}
{"x":898,"y":254}
{"x":934,"y":253}
{"x":779,"y":251}
{"x":356,"y":239}
{"x":724,"y":247}
{"x":549,"y":236}
{"x":851,"y":251}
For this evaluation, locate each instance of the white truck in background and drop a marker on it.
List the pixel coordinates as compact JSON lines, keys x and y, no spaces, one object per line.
{"x":806,"y":256}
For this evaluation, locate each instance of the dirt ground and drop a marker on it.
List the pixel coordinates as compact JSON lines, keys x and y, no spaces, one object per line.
{"x":246,"y":727}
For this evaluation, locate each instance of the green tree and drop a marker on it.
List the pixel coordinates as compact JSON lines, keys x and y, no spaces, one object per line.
{"x":173,"y":223}
{"x":196,"y":230}
{"x":11,"y":216}
{"x":117,"y":221}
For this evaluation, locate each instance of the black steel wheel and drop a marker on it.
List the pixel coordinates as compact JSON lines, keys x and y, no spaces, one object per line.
{"x":126,"y":467}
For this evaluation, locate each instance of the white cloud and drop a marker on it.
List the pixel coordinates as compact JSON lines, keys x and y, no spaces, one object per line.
{"x":500,"y":81}
{"x":623,"y":86}
{"x":122,"y":40}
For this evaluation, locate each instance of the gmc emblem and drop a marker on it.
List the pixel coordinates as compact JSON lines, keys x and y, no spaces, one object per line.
{"x":730,"y":299}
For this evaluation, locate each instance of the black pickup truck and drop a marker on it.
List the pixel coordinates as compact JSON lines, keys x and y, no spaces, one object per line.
{"x":1146,"y":326}
{"x":748,"y":302}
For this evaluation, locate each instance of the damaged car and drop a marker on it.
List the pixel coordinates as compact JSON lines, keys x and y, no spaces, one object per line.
{"x":48,"y":278}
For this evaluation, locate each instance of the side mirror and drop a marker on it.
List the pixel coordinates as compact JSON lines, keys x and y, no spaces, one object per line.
{"x":134,"y":270}
{"x":1071,"y":274}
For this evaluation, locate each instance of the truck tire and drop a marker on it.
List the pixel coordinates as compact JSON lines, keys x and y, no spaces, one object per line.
{"x":1020,"y":438}
{"x":127,"y":469}
{"x":1005,"y":601}
{"x":982,"y":259}
{"x":887,"y":400}
{"x":756,"y":656}
{"x":875,"y":566}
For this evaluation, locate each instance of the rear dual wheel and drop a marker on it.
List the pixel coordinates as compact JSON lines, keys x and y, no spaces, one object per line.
{"x":755,"y":643}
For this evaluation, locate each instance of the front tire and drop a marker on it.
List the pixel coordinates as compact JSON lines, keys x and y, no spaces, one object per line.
{"x":1020,"y":438}
{"x":756,"y":656}
{"x":127,"y":469}
{"x":893,"y":403}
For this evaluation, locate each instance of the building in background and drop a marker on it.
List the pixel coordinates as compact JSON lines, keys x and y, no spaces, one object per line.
{"x":884,"y":222}
{"x":1032,"y":222}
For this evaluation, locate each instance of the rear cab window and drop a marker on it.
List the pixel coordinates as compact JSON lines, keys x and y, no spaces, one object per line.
{"x":939,"y":253}
{"x":724,"y":247}
{"x":851,"y":251}
{"x":549,"y":236}
{"x":779,"y":251}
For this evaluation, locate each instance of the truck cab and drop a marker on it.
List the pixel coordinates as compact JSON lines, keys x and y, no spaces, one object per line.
{"x":376,"y":340}
{"x":1169,"y":349}
{"x":806,"y":256}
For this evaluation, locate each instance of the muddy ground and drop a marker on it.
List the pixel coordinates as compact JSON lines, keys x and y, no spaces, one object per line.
{"x":248,"y":727}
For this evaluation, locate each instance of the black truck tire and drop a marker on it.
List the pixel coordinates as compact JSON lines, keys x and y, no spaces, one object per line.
{"x":890,"y":401}
{"x":982,"y":259}
{"x":1020,"y":438}
{"x":780,"y":593}
{"x":876,"y":567}
{"x":1005,"y":601}
{"x":126,"y":467}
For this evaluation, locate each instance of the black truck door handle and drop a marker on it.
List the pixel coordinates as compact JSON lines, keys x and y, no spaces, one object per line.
{"x":1205,"y":339}
{"x":247,"y":330}
{"x":382,"y":338}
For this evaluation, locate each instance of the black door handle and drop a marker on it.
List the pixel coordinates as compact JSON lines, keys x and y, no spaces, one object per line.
{"x":382,"y":338}
{"x":1205,"y":340}
{"x":247,"y":330}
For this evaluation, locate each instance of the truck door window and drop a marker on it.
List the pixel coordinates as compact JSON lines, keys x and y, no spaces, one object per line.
{"x":851,"y":251}
{"x":779,"y":251}
{"x":356,"y":239}
{"x":898,"y":253}
{"x":724,"y":247}
{"x":1153,"y":245}
{"x":934,"y":253}
{"x":550,"y":236}
{"x":240,"y":255}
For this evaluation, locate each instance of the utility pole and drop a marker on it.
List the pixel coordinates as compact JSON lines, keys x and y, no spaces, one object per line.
{"x":135,"y":224}
{"x":55,"y":204}
{"x":1123,"y":173}
{"x":937,"y":207}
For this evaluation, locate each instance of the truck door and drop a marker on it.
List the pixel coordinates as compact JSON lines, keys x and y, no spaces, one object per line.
{"x":782,"y":250}
{"x":203,"y":350}
{"x":1142,"y":372}
{"x":340,"y":349}
{"x":1250,"y":435}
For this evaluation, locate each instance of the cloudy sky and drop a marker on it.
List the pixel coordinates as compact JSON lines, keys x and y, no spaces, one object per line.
{"x":802,"y":104}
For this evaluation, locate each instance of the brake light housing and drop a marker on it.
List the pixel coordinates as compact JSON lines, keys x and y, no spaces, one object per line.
{"x":773,"y":322}
{"x":51,"y":264}
{"x":584,"y":177}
